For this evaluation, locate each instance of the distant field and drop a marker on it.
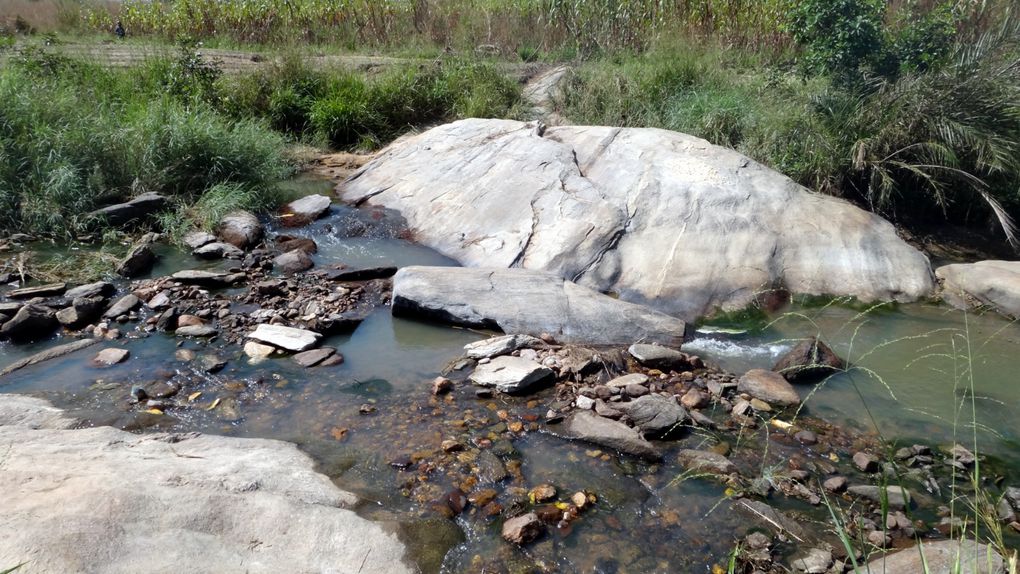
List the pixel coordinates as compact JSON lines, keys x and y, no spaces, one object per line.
{"x":48,"y":15}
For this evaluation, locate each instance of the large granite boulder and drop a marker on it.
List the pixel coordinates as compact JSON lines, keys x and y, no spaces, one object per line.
{"x":654,"y":216}
{"x":108,"y":501}
{"x":241,"y":229}
{"x":941,"y":557}
{"x":528,"y":302}
{"x":992,"y":283}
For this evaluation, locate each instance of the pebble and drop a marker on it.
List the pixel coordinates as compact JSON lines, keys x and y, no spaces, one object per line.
{"x":523,"y":529}
{"x":806,"y":437}
{"x":542,"y":493}
{"x":441,"y":385}
{"x":835,"y":484}
{"x":865,"y":462}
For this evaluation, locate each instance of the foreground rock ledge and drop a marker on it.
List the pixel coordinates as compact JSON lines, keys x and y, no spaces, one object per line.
{"x":659,"y":217}
{"x":992,"y":283}
{"x":104,"y":500}
{"x":528,"y":302}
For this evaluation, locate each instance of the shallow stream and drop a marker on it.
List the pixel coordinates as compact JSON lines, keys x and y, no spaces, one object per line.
{"x":912,"y":376}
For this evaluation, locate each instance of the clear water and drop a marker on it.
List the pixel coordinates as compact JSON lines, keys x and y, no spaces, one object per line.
{"x":644,"y":521}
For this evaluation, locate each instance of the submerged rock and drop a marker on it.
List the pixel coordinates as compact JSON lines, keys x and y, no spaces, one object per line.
{"x":659,"y":217}
{"x":809,"y":361}
{"x":589,"y":427}
{"x":523,"y":529}
{"x":706,"y":461}
{"x":769,"y":387}
{"x":527,"y":302}
{"x":510,"y":374}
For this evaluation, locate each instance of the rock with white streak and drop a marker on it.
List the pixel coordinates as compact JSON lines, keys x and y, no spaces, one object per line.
{"x":286,"y":338}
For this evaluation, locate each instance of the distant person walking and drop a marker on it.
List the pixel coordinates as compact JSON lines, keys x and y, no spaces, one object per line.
{"x":119,"y":30}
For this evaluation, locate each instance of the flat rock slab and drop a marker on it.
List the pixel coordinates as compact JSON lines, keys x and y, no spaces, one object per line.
{"x":496,"y":346}
{"x":143,"y":206}
{"x":992,"y":283}
{"x":654,"y":415}
{"x":699,"y":461}
{"x":98,"y":289}
{"x":657,"y":217}
{"x":528,"y":302}
{"x":105,"y":500}
{"x":769,"y":387}
{"x":627,"y":380}
{"x":589,"y":427}
{"x":314,"y":357}
{"x":197,"y":239}
{"x":122,"y":306}
{"x":941,"y":557}
{"x":658,"y":357}
{"x":362,"y":274}
{"x":308,"y":208}
{"x":38,"y":291}
{"x":286,"y":338}
{"x":111,"y":356}
{"x":207,"y":278}
{"x":196,"y":331}
{"x":510,"y":374}
{"x":218,"y":250}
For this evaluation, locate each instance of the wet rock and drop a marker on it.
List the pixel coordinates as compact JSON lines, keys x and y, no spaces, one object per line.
{"x":293,"y":262}
{"x":271,"y":287}
{"x":771,"y":518}
{"x":196,"y":239}
{"x":441,"y":386}
{"x":865,"y":462}
{"x":187,"y":320}
{"x":694,"y":399}
{"x":542,"y":493}
{"x":82,"y":311}
{"x":240,"y":229}
{"x":314,"y":357}
{"x":510,"y":374}
{"x":307,"y":209}
{"x":122,"y":306}
{"x":207,"y":278}
{"x":654,"y":415}
{"x":30,"y":323}
{"x":659,"y":357}
{"x":897,"y":496}
{"x":218,"y":250}
{"x":769,"y":387}
{"x":159,"y":301}
{"x":584,"y":403}
{"x":138,"y":261}
{"x":589,"y":427}
{"x":809,"y":361}
{"x":48,"y":290}
{"x":196,"y":331}
{"x":361,"y":274}
{"x":942,"y":557}
{"x":1004,"y":511}
{"x":287,"y":338}
{"x":523,"y":529}
{"x":184,"y":355}
{"x":98,"y":289}
{"x":529,"y":302}
{"x":111,"y":356}
{"x":816,"y":561}
{"x":212,"y":363}
{"x":490,"y":469}
{"x":961,"y":455}
{"x":806,"y":437}
{"x":835,"y":484}
{"x":258,"y":351}
{"x":1013,"y":495}
{"x":706,"y":461}
{"x":628,"y":380}
{"x":139,"y":208}
{"x":496,"y":346}
{"x":287,"y":243}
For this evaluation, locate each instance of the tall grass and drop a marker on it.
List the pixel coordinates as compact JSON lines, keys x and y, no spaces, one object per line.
{"x":74,"y":137}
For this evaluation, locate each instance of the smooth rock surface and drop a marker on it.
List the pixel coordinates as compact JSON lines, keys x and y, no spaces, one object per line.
{"x":111,"y":356}
{"x":528,"y":302}
{"x":141,"y":207}
{"x":308,"y":208}
{"x":196,"y":331}
{"x":705,"y":461}
{"x":654,"y":415}
{"x":218,"y":250}
{"x":809,"y":361}
{"x":112,"y":502}
{"x":196,"y":239}
{"x":510,"y":374}
{"x":138,"y":261}
{"x":122,"y":306}
{"x":292,"y":262}
{"x":658,"y":217}
{"x":769,"y":387}
{"x":495,"y":346}
{"x":941,"y":557}
{"x":241,"y":229}
{"x":992,"y":283}
{"x":658,"y":357}
{"x":287,"y":338}
{"x":97,"y":289}
{"x":589,"y":427}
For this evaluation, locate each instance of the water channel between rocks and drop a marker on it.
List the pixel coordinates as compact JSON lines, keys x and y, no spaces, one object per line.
{"x":356,"y":418}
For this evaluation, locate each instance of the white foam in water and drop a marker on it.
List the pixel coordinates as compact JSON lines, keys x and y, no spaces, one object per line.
{"x":716,"y":348}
